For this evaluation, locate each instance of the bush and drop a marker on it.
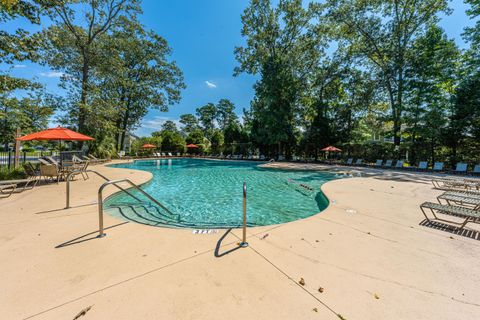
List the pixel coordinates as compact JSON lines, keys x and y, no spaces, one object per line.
{"x":11,"y":174}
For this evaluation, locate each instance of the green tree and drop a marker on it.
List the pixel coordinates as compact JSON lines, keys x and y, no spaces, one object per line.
{"x":169,"y":126}
{"x":225,"y":113}
{"x":172,"y":141}
{"x":19,"y":45}
{"x":72,"y":45}
{"x":472,"y":35}
{"x":382,"y":32}
{"x":281,"y":46}
{"x":138,"y":75}
{"x":207,"y":115}
{"x":217,"y":141}
{"x":196,"y":137}
{"x":189,"y":122}
{"x":430,"y":81}
{"x":30,"y":113}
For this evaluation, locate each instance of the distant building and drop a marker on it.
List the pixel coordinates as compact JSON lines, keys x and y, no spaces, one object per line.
{"x":128,"y":141}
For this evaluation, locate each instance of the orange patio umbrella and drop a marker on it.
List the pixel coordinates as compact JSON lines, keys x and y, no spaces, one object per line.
{"x":58,"y":133}
{"x":332,"y":149}
{"x":148,"y":146}
{"x":191,"y":145}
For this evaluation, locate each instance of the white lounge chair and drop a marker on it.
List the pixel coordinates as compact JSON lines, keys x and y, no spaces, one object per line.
{"x":349,"y":161}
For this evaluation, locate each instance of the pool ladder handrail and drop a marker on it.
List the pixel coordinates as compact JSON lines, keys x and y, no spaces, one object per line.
{"x":73,"y":173}
{"x":244,"y":242}
{"x":114,"y":182}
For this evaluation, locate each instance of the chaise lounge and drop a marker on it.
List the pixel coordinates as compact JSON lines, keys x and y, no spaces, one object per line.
{"x":468,"y":215}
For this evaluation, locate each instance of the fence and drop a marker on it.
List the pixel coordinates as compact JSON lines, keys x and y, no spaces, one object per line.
{"x":7,"y":158}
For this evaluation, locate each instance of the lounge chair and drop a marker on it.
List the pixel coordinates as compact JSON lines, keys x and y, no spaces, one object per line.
{"x":281,"y":158}
{"x":27,"y":184}
{"x":81,"y":170}
{"x":178,"y":154}
{"x":349,"y":161}
{"x":103,"y":160}
{"x":43,"y":161}
{"x":76,"y":159}
{"x":30,"y":170}
{"x":51,"y":171}
{"x":169,"y":154}
{"x":262,"y":157}
{"x":399,"y":164}
{"x":465,"y":199}
{"x":388,"y":164}
{"x":461,"y":168}
{"x":423,"y":165}
{"x":378,"y":163}
{"x":455,"y":184}
{"x":92,"y":161}
{"x":469,"y":215}
{"x":52,"y":161}
{"x":359,"y":162}
{"x":438,"y":166}
{"x":476,"y":170}
{"x":6,"y":190}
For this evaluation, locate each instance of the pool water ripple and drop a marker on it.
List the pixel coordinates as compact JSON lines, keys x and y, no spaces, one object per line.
{"x":208,"y":193}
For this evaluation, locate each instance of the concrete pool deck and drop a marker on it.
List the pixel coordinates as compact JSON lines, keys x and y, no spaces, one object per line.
{"x":369,"y":255}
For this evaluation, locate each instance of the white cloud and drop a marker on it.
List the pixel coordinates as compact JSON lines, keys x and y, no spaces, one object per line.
{"x":52,"y":74}
{"x":157,"y":122}
{"x":210,"y":84}
{"x":19,"y":66}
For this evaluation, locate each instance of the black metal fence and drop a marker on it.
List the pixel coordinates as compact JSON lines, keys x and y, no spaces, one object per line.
{"x":7,"y":158}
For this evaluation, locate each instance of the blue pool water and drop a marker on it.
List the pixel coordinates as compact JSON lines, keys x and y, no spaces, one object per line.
{"x":208,"y":193}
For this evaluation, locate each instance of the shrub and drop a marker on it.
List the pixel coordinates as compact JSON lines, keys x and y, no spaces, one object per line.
{"x":11,"y":174}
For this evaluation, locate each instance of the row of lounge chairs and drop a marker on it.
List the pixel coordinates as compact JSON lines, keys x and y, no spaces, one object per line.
{"x":50,"y":170}
{"x":461,"y":199}
{"x":461,"y":168}
{"x":215,"y":156}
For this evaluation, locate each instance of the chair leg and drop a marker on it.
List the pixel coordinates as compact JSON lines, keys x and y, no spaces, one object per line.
{"x":423,"y":211}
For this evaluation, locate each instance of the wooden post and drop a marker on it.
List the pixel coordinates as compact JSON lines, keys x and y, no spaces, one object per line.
{"x":17,"y":149}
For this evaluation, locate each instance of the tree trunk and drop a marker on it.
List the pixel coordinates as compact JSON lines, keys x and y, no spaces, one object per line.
{"x":125,"y":125}
{"x":432,"y":146}
{"x":83,"y":96}
{"x":5,"y":127}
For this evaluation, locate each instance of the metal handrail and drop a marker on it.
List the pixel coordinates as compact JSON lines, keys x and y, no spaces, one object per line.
{"x":100,"y":201}
{"x":244,"y":242}
{"x":67,"y":206}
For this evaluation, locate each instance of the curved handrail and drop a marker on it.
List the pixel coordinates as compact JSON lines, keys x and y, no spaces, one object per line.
{"x":69,"y":176}
{"x":114,"y":182}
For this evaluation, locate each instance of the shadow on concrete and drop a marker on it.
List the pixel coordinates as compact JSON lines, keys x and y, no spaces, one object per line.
{"x":219,"y":244}
{"x":62,"y":209}
{"x":86,"y":237}
{"x":467,"y":233}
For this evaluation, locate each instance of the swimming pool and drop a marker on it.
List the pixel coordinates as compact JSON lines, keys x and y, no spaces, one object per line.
{"x":199,"y":193}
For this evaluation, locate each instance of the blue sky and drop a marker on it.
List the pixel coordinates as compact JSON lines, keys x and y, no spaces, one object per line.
{"x":203,"y":35}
